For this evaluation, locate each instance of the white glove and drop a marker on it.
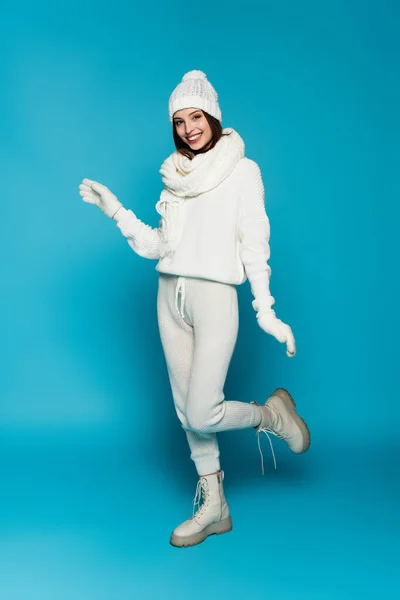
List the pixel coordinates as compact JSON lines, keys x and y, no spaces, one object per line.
{"x":96,"y":193}
{"x":268,"y":321}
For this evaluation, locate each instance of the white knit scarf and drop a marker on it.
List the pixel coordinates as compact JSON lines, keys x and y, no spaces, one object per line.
{"x":184,"y":178}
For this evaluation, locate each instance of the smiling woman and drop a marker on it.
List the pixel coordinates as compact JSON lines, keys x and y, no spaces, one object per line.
{"x":195,"y":131}
{"x":213,"y":235}
{"x":192,"y":127}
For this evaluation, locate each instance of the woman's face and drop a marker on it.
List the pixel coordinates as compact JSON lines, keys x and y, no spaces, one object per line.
{"x":192,"y":127}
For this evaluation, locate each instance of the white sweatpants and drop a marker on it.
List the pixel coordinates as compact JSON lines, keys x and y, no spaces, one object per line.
{"x":198,"y":322}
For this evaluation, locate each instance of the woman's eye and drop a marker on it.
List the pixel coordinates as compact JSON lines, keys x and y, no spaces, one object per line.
{"x":195,"y":117}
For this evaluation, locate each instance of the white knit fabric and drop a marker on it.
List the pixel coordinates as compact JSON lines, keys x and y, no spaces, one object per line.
{"x":185,"y":178}
{"x":194,"y":91}
{"x":198,"y":335}
{"x":221,"y":234}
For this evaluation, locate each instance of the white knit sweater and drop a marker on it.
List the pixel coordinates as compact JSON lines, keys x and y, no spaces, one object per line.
{"x":223,"y":234}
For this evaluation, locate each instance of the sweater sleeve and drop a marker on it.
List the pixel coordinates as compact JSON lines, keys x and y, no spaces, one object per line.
{"x":142,"y":238}
{"x":254,"y":236}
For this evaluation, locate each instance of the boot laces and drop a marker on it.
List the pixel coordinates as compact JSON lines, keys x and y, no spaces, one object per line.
{"x":259,"y":431}
{"x":200,"y":495}
{"x":275,"y":429}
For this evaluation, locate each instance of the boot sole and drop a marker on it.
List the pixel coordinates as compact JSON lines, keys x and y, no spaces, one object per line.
{"x":196,"y":538}
{"x":290,"y":404}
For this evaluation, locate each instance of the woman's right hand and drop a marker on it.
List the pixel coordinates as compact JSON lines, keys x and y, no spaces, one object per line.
{"x":98,"y":194}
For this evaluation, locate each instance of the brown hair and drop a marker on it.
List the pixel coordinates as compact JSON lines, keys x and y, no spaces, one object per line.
{"x":185,"y":149}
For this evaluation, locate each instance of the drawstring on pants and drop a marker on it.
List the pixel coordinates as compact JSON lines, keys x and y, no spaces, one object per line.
{"x":180,"y":288}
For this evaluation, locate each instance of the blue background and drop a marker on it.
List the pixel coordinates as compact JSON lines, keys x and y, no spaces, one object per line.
{"x":95,"y":470}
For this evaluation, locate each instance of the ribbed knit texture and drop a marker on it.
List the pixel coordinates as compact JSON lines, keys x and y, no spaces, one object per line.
{"x":198,"y":349}
{"x":223,"y":234}
{"x":194,"y":91}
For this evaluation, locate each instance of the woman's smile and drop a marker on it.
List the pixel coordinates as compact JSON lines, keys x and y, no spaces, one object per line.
{"x":193,"y":139}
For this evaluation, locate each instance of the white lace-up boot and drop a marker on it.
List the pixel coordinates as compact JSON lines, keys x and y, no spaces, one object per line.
{"x":279,"y":417}
{"x":211,"y":517}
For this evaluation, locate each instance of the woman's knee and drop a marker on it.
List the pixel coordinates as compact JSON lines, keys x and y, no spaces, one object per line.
{"x":182,"y":417}
{"x":202,"y":419}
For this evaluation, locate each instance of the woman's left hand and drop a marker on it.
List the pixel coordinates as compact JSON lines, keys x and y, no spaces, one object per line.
{"x":278,"y":329}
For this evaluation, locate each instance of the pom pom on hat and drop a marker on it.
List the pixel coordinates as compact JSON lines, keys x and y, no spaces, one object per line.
{"x":195,"y":91}
{"x":194,"y":75}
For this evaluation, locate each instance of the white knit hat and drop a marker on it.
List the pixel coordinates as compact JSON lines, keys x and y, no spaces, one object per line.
{"x":194,"y":90}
